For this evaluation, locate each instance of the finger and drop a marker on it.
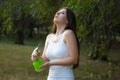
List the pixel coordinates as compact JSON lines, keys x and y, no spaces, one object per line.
{"x":42,"y":59}
{"x":42,"y":66}
{"x":38,"y":51}
{"x":33,"y":58}
{"x":34,"y":55}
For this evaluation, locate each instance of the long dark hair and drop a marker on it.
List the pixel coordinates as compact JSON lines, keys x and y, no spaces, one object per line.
{"x":72,"y":26}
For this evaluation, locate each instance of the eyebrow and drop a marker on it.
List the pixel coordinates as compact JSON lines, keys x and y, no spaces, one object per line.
{"x":60,"y":11}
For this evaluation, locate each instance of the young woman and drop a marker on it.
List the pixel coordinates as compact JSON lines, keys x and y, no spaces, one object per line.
{"x":61,"y":47}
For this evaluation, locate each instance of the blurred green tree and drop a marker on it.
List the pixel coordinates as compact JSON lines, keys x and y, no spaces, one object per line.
{"x":98,"y":21}
{"x":98,"y":24}
{"x":19,"y":18}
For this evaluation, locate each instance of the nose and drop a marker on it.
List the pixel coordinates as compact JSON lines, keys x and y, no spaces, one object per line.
{"x":57,"y":13}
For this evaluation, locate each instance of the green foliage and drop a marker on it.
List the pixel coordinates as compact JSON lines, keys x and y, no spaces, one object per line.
{"x":96,"y":24}
{"x":19,"y":18}
{"x":7,"y":24}
{"x":97,"y":20}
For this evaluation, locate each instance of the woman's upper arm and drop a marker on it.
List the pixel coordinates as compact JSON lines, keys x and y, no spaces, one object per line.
{"x":71,"y":43}
{"x":45,"y":47}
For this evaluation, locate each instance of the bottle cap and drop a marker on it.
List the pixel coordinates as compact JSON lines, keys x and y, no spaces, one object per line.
{"x":35,"y":51}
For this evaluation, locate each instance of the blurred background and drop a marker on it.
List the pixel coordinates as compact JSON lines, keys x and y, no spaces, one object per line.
{"x":25,"y":23}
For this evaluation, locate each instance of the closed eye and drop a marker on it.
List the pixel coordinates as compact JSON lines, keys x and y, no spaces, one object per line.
{"x":60,"y":13}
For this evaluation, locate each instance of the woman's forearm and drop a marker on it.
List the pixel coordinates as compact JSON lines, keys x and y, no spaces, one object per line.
{"x":64,"y":61}
{"x":44,"y":58}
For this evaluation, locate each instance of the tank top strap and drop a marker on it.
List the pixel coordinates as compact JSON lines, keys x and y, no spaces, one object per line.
{"x":62,"y":37}
{"x":51,"y":37}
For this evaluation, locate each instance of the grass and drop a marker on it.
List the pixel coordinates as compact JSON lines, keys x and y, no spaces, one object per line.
{"x":15,"y":64}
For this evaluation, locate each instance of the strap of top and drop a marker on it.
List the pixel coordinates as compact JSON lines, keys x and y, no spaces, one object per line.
{"x":51,"y":37}
{"x":62,"y":37}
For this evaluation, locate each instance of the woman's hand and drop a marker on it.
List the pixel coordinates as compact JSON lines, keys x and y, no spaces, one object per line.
{"x":34,"y":57}
{"x":45,"y":65}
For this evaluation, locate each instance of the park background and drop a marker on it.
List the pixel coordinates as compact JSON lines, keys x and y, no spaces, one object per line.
{"x":25,"y":23}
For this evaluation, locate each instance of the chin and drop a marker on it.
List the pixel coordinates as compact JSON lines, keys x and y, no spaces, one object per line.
{"x":55,"y":21}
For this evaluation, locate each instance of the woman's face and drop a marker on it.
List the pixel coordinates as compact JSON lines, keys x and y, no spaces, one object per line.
{"x":60,"y":17}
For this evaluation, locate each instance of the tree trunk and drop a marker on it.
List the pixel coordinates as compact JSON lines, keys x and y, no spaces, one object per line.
{"x":19,"y":35}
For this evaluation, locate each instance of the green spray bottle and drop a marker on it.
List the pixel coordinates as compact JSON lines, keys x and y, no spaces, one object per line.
{"x":38,"y":62}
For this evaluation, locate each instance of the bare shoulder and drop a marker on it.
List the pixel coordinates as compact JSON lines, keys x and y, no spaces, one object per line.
{"x":69,"y":33}
{"x":48,"y":37}
{"x":69,"y":36}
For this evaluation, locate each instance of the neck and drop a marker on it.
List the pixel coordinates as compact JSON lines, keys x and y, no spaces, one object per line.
{"x":60,"y":29}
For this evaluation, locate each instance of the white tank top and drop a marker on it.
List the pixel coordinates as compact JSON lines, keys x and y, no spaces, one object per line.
{"x":56,"y":51}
